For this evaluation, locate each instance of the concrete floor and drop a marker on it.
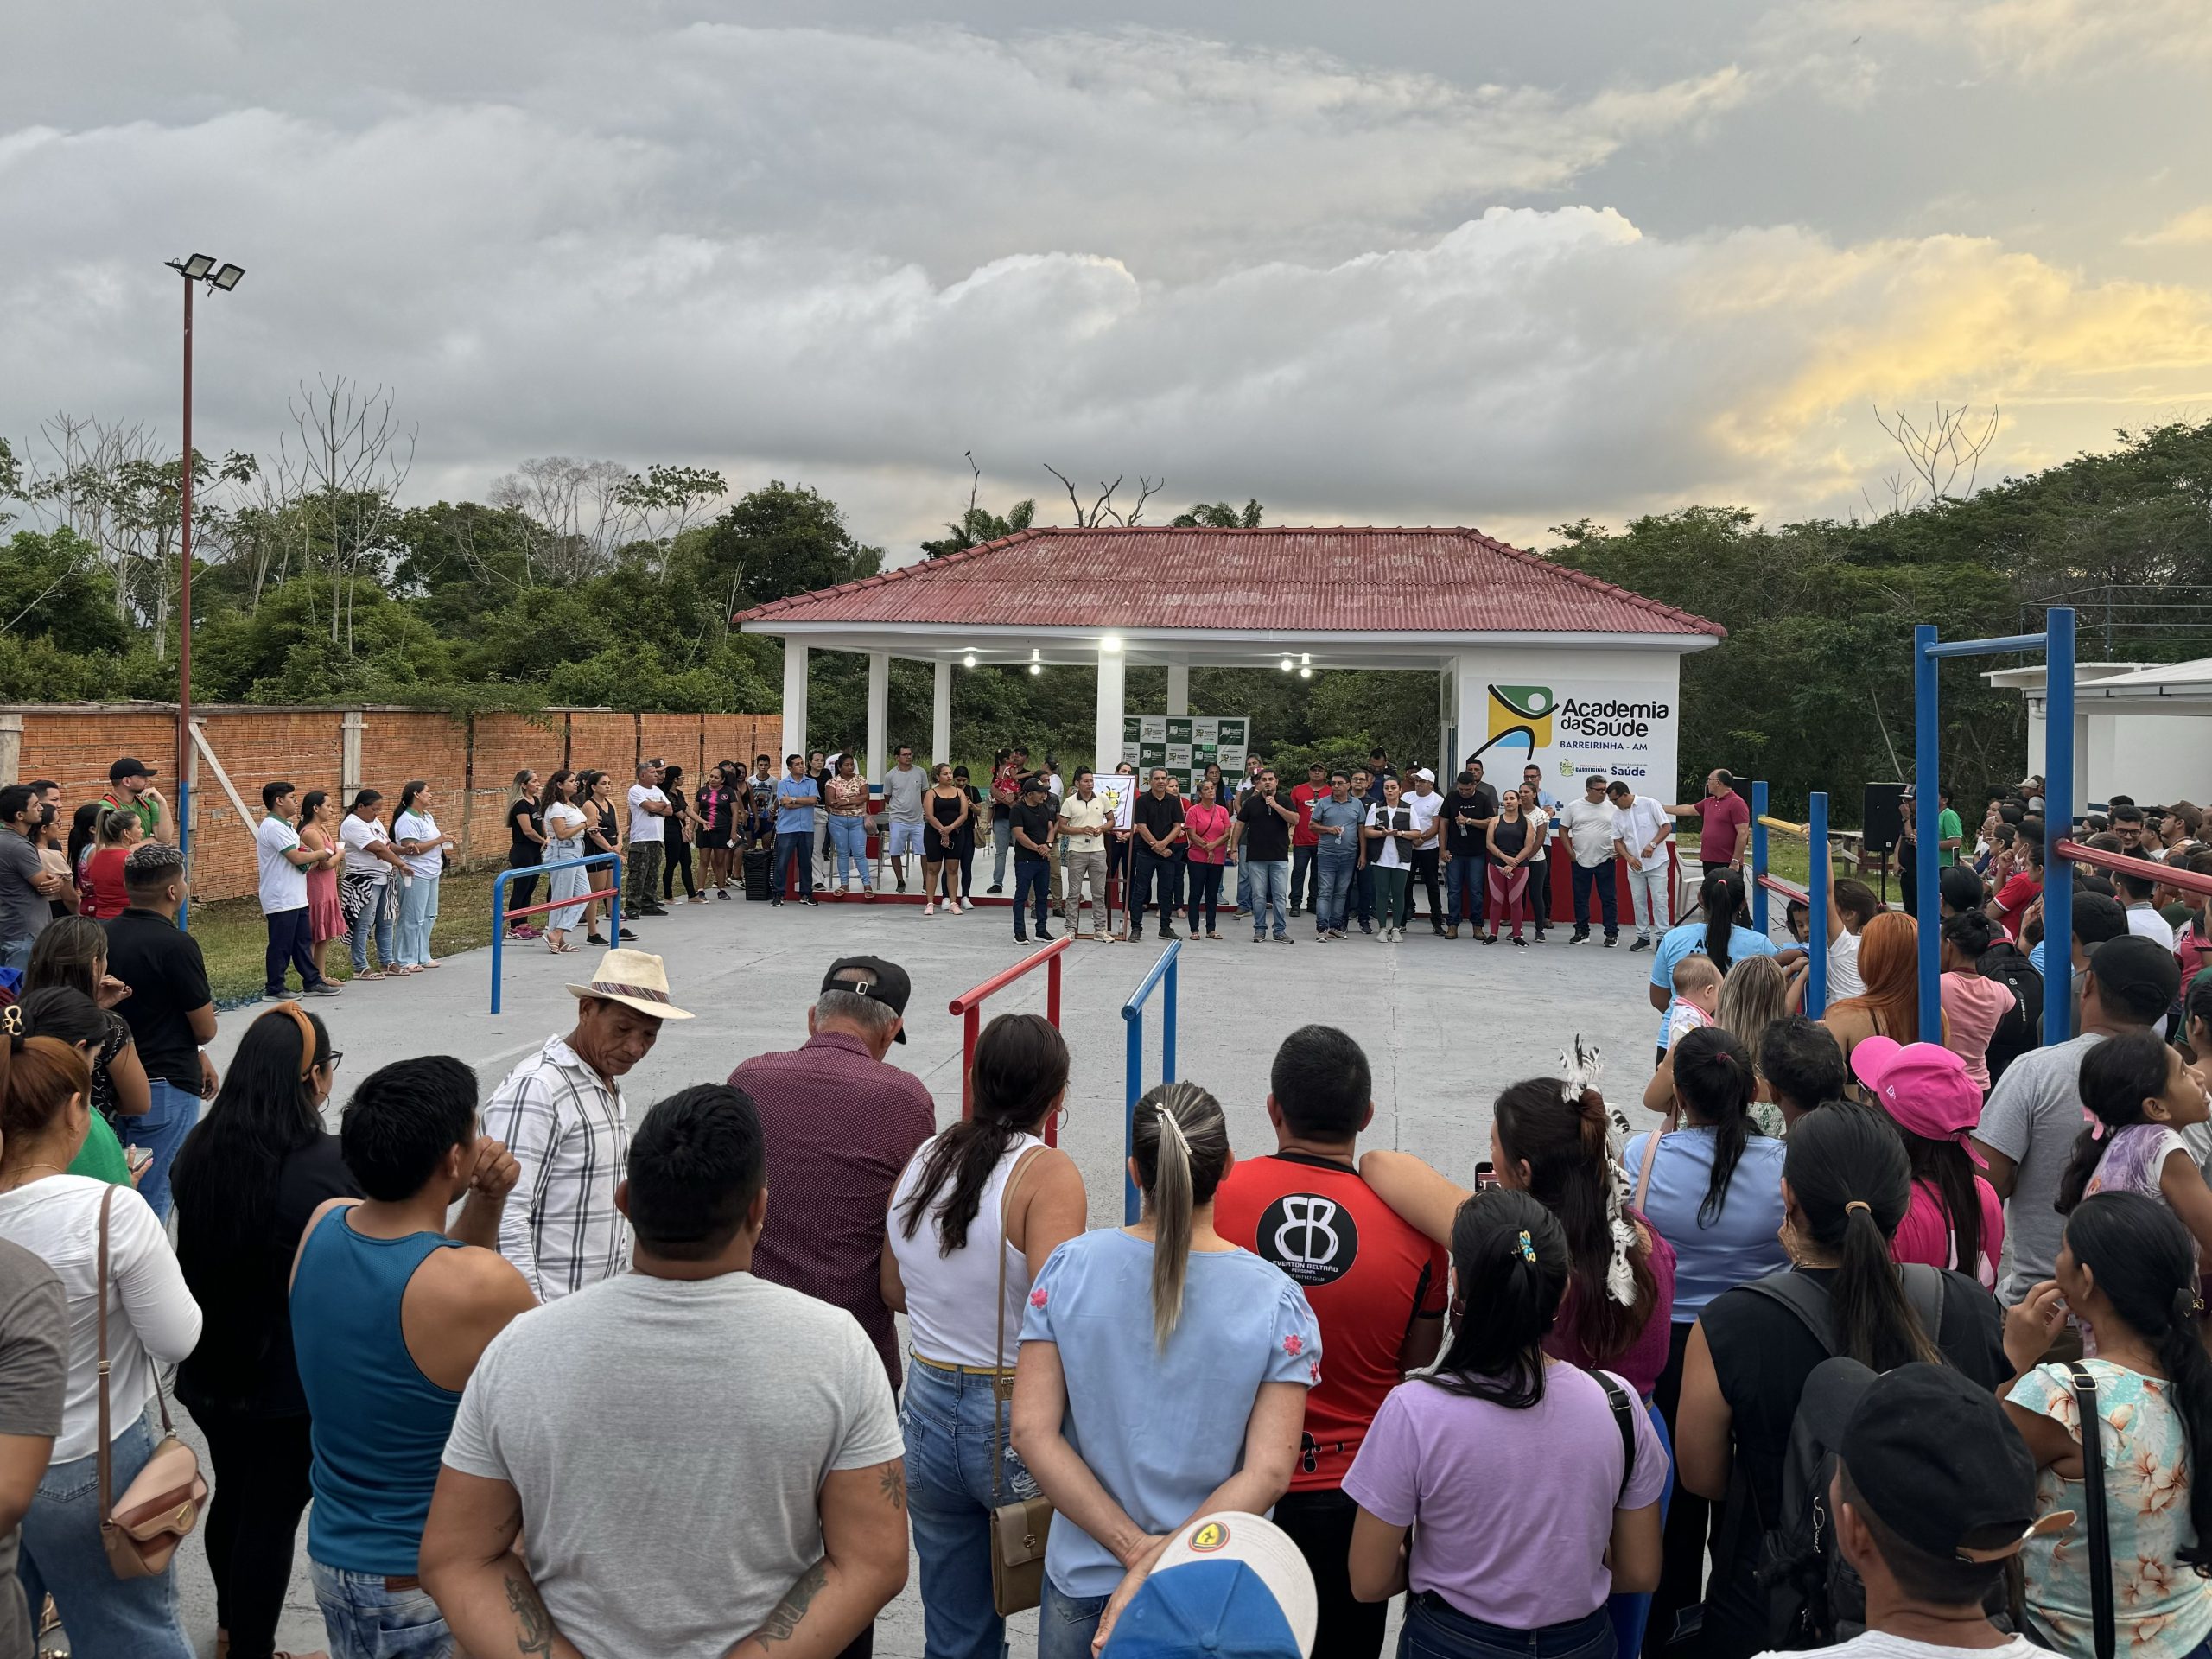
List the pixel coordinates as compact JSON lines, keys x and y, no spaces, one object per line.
{"x":1446,"y":1025}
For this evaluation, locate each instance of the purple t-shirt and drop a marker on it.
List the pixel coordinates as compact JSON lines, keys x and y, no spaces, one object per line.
{"x":1442,"y":1459}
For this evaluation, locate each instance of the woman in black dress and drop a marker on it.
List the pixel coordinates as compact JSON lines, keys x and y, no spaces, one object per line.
{"x":677,"y":830}
{"x":964,"y":838}
{"x":526,"y":848}
{"x":947,"y":811}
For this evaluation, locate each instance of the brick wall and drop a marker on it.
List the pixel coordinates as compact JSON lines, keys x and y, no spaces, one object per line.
{"x":468,"y":761}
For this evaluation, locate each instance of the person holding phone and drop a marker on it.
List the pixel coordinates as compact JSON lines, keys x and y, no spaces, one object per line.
{"x":1390,"y":838}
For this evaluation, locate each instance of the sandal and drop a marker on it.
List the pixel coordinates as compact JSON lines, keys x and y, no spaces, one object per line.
{"x":373,"y":973}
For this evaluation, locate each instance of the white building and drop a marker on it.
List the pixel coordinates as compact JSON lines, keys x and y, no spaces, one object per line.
{"x":2139,"y":729}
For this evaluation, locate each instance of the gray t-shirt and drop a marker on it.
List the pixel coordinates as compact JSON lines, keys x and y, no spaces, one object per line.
{"x":667,"y":1438}
{"x":24,"y":911}
{"x":902,"y":794}
{"x":2033,"y":1117}
{"x":34,"y":1367}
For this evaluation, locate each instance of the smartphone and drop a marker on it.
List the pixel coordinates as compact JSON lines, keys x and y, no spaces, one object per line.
{"x":136,"y":1159}
{"x":1486,"y":1175}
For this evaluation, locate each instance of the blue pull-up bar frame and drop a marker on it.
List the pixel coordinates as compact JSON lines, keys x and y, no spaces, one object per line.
{"x":2056,"y":644}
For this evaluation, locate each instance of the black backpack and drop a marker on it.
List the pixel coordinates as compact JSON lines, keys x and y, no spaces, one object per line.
{"x":2019,"y":1030}
{"x":1814,"y":1599}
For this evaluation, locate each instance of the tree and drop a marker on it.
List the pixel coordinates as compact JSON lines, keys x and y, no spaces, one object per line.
{"x":979,"y":525}
{"x":1103,"y":508}
{"x":780,"y":540}
{"x":1219,"y":515}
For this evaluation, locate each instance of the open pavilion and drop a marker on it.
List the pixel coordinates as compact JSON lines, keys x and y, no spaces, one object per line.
{"x":1532,"y":659}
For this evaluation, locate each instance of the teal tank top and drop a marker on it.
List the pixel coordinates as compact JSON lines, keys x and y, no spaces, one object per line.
{"x":379,"y":1426}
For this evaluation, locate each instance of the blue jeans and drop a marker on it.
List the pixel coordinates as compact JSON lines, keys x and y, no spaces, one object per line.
{"x":1001,"y":844}
{"x":1436,"y":1629}
{"x":1463,"y":889}
{"x":1033,"y":889}
{"x":1066,"y":1624}
{"x":1264,"y":889}
{"x":15,"y":953}
{"x":418,"y":912}
{"x":364,"y":1620}
{"x":1630,"y":1613}
{"x":161,"y":1129}
{"x":1363,"y":893}
{"x":848,"y":848}
{"x":947,"y":1418}
{"x":1304,"y":888}
{"x":1336,"y":879}
{"x":62,"y":1557}
{"x":374,"y":917}
{"x":794,"y":848}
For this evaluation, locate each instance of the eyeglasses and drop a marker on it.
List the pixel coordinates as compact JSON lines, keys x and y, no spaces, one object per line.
{"x":336,"y":1055}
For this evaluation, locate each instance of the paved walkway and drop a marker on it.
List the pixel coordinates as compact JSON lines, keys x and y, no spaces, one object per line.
{"x":1446,"y":1025}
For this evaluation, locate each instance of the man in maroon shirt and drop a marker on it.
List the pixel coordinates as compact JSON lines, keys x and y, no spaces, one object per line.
{"x":1725,"y":818}
{"x":839,"y":1126}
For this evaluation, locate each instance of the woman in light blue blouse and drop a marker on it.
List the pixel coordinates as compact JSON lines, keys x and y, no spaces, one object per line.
{"x":1163,"y":1374}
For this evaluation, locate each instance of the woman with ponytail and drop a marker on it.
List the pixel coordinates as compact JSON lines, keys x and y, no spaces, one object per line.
{"x":1847,"y":1185}
{"x":1163,"y":1376}
{"x":1718,"y":935}
{"x":979,"y":1210}
{"x":1497,"y":1417}
{"x":2126,"y":1267}
{"x":151,"y":1321}
{"x":1973,"y":1004}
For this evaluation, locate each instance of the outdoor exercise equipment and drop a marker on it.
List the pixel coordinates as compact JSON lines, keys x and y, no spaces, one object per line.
{"x":1160,"y":977}
{"x":968,"y":1006}
{"x":1815,"y":897}
{"x":2056,"y":644}
{"x":501,"y":915}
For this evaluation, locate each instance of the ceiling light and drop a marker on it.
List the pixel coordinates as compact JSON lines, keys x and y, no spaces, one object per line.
{"x":1035,"y":655}
{"x":227,"y":277}
{"x":1288,"y":664}
{"x":1305,"y":673}
{"x":1305,"y":658}
{"x":1110,"y":642}
{"x":1036,"y":668}
{"x":197,"y":266}
{"x":969,"y":661}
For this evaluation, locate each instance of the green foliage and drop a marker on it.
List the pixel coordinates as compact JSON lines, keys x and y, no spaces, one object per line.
{"x":980,"y":524}
{"x":1218,"y":515}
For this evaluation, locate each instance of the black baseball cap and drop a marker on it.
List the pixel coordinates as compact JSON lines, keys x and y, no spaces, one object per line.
{"x":128,"y":766}
{"x":887,"y":983}
{"x":1940,"y":1466}
{"x":1034,"y":781}
{"x":2136,"y":975}
{"x":1961,"y":887}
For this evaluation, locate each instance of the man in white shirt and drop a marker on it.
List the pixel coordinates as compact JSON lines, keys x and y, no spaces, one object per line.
{"x":1426,"y":806}
{"x":2135,"y":894}
{"x":1085,"y":817}
{"x":284,"y":865}
{"x":1640,"y":832}
{"x":648,"y":845}
{"x":1587,"y":824}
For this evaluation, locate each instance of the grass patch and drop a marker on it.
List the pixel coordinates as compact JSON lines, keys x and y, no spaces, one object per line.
{"x":233,"y":940}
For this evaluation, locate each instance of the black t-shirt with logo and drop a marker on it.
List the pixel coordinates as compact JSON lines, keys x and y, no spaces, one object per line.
{"x":1161,"y":814}
{"x":1267,"y":835}
{"x":1464,"y":840}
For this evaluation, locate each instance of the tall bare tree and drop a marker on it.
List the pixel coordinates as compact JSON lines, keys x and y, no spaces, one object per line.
{"x":353,"y":457}
{"x":1103,"y":508}
{"x":1950,"y":443}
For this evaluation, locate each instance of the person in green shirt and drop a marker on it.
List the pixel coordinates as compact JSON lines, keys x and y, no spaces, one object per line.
{"x":1950,"y":830}
{"x":71,"y":1017}
{"x":130,"y":786}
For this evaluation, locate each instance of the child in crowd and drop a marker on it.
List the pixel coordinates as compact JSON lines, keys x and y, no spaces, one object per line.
{"x":2143,"y":1096}
{"x":1697,"y":998}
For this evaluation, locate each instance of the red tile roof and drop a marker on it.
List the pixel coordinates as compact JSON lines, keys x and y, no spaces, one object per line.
{"x":1322,"y":580}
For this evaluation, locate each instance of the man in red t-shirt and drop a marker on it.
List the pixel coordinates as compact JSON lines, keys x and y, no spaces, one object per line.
{"x":1725,"y":818}
{"x":1306,"y":842}
{"x":1377,"y":1287}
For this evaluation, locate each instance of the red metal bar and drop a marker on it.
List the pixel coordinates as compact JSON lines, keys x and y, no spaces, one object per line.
{"x":2166,"y":874}
{"x":1787,"y":889}
{"x":558,"y":904}
{"x":967,"y":1004}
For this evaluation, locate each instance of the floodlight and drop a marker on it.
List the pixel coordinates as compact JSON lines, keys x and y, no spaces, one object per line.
{"x":1305,"y":673}
{"x":227,"y":277}
{"x":197,"y":267}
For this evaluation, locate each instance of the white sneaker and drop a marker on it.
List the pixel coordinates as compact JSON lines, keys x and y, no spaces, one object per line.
{"x":929,"y":909}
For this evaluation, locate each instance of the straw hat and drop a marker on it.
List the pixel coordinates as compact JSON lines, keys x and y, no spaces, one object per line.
{"x":637,"y":980}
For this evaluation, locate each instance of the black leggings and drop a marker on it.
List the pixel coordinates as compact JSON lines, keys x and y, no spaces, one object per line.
{"x":260,"y":1490}
{"x":1681,"y":1576}
{"x":524,"y":888}
{"x":1205,"y":892}
{"x":679,"y":855}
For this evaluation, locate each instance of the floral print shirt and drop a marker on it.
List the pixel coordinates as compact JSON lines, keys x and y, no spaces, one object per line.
{"x":2162,"y":1608}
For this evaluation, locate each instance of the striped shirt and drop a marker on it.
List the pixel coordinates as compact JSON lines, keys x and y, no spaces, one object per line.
{"x":564,"y":1125}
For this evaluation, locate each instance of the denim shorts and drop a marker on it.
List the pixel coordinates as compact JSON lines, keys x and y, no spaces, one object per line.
{"x":364,"y":1619}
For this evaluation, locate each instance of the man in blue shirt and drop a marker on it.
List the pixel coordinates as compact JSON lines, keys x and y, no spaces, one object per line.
{"x":797,"y":796}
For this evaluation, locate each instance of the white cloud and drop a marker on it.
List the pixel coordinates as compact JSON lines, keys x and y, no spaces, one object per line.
{"x":2191,"y":229}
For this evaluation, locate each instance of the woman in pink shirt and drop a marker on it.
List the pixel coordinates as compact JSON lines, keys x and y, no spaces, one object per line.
{"x":1972,"y":1005}
{"x":1205,"y":821}
{"x":1956,"y":1219}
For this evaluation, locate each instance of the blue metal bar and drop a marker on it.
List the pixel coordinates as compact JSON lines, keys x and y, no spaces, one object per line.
{"x":1979,"y":647}
{"x":1133,"y":1015}
{"x":183,"y":827}
{"x":1758,"y":856}
{"x":2058,"y":820}
{"x":1818,"y":877}
{"x":1927,"y":738}
{"x":499,"y":905}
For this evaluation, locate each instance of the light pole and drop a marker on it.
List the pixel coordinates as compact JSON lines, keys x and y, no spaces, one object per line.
{"x":197,"y":269}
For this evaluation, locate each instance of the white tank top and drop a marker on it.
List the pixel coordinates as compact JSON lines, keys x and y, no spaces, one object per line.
{"x":951,"y":1306}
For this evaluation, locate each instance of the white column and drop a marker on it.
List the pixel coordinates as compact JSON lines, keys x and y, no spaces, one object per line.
{"x":879,"y":714}
{"x":794,"y":701}
{"x":1113,"y":681}
{"x":1471,"y":697}
{"x":1179,"y":691}
{"x":941,"y":712}
{"x":1447,"y":708}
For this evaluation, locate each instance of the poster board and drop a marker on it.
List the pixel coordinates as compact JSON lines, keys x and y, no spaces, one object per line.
{"x":1119,"y":788}
{"x":1186,"y":743}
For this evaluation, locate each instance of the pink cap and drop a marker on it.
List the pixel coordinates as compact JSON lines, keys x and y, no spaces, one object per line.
{"x":1923,"y":1086}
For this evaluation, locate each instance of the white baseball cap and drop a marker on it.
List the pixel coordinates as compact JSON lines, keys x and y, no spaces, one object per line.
{"x":1200,"y":1595}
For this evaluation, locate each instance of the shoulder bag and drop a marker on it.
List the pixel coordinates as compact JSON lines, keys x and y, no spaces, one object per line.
{"x":2093,"y":1502}
{"x":1019,"y":1529}
{"x":141,"y":1530}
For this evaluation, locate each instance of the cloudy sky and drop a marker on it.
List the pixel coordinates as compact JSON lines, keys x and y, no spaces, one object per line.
{"x":1390,"y":263}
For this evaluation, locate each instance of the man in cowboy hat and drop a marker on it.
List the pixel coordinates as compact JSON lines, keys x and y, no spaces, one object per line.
{"x":560,"y":1113}
{"x":840,"y":1125}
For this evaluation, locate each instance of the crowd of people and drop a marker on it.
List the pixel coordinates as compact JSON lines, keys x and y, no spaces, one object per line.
{"x":1805,"y":1365}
